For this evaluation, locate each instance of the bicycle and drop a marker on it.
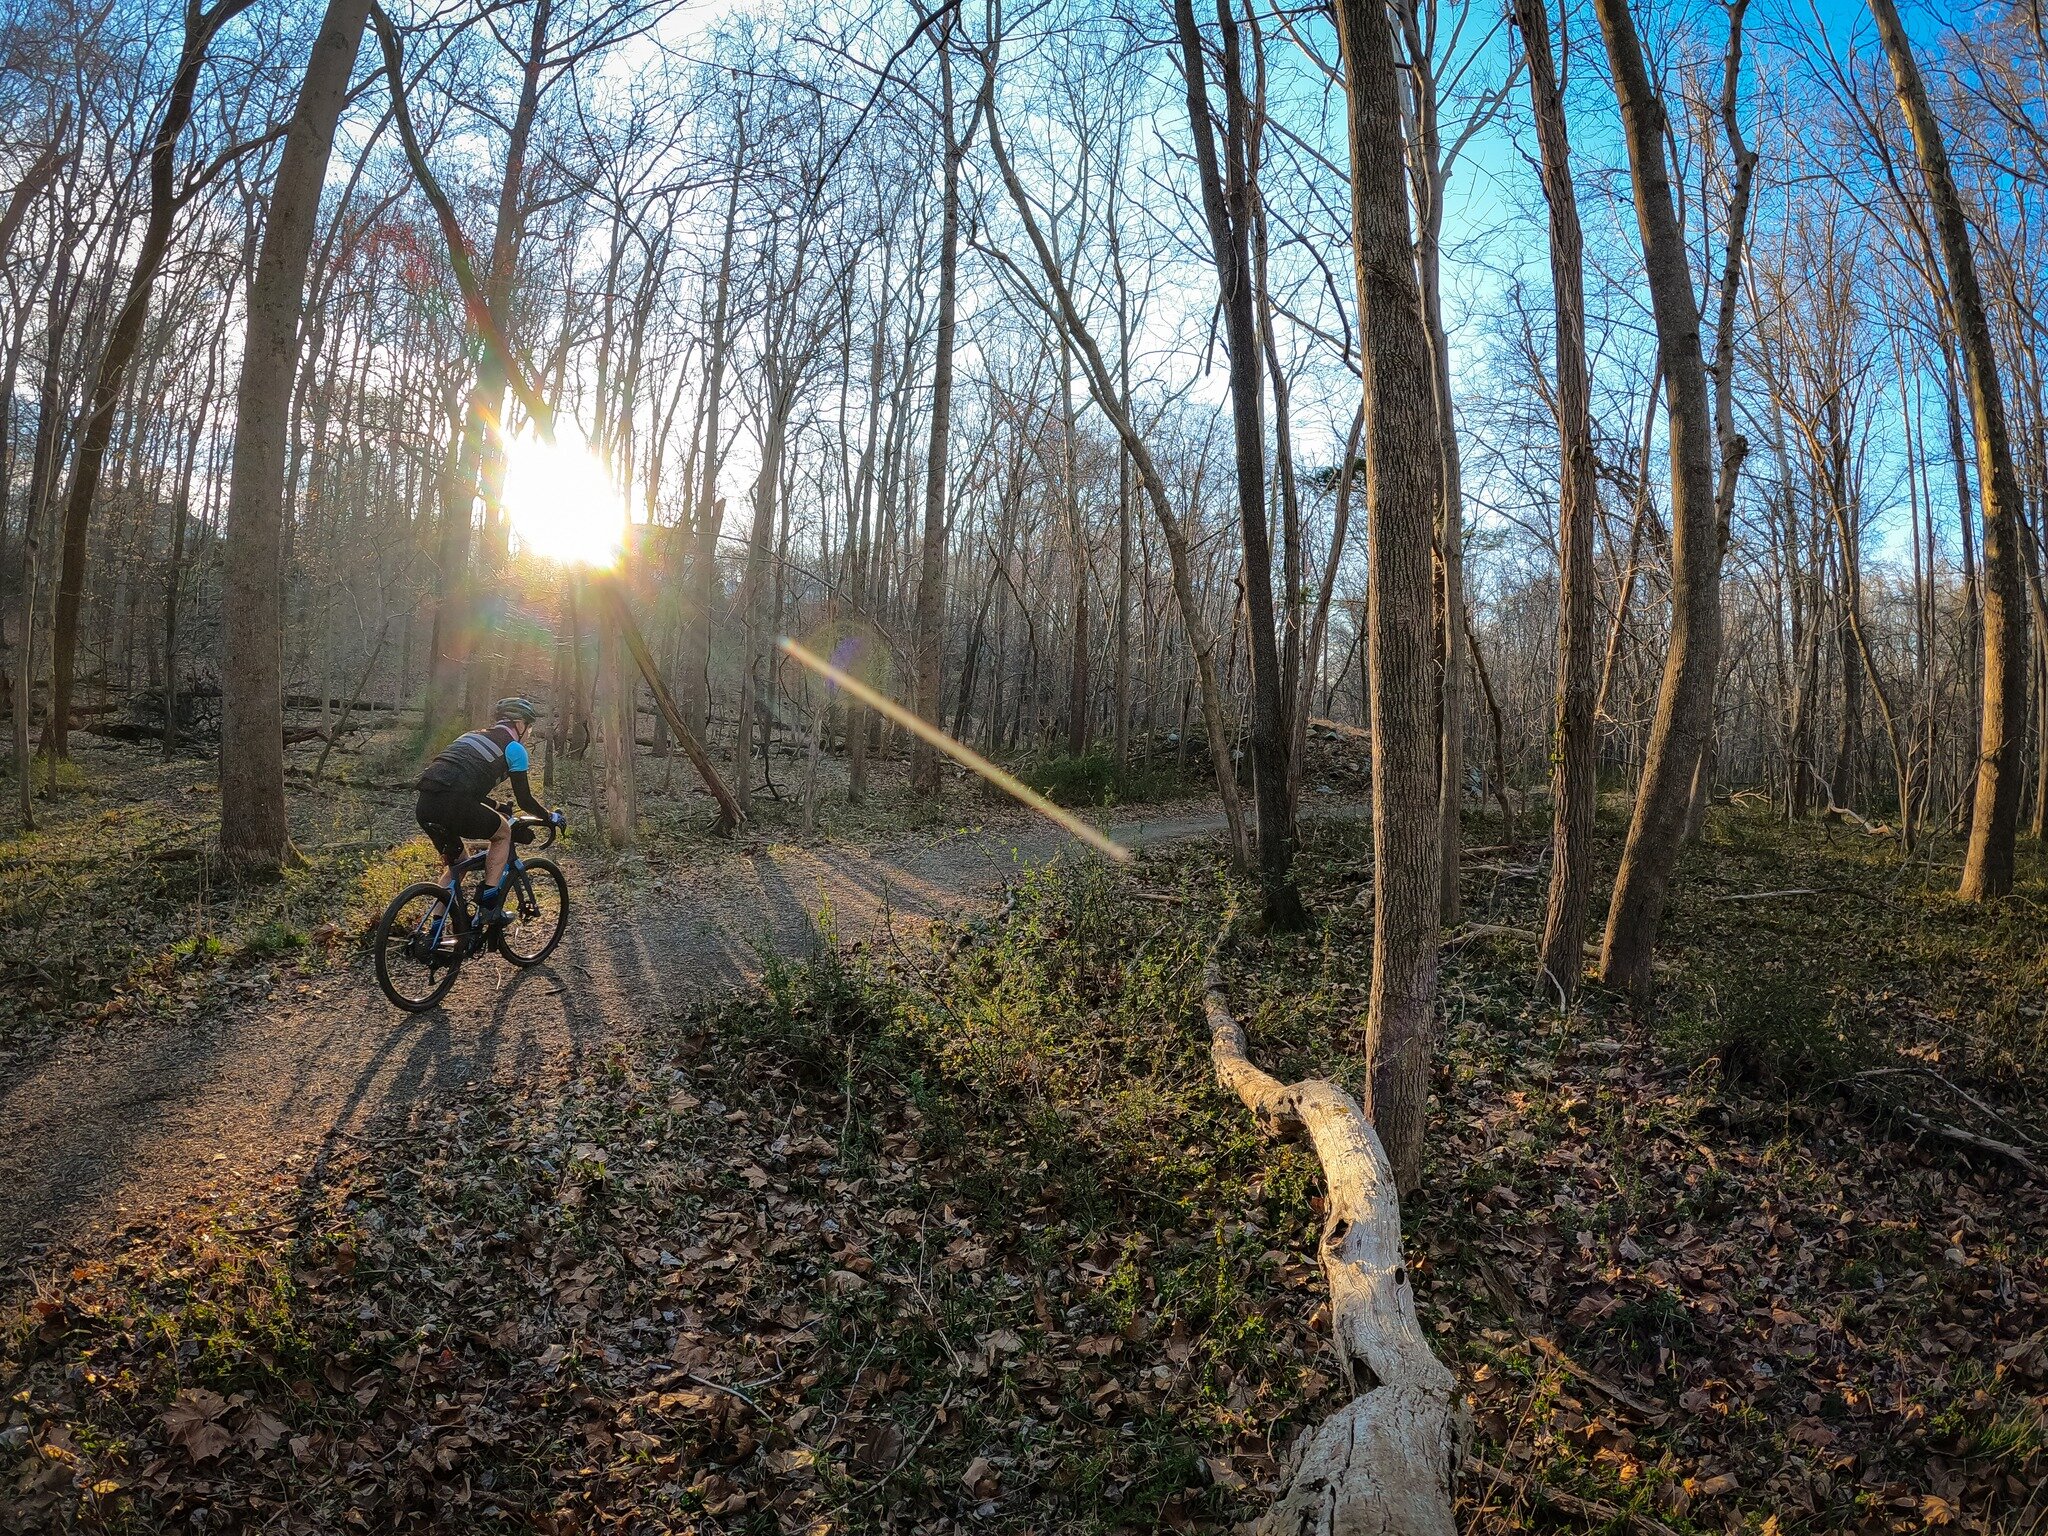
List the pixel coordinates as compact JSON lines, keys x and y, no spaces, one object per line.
{"x":431,"y":928}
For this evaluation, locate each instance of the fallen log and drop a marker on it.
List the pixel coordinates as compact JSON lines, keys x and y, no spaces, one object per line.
{"x":1381,"y":1465}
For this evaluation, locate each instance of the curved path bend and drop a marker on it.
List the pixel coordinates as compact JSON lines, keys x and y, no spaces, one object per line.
{"x":113,"y":1130}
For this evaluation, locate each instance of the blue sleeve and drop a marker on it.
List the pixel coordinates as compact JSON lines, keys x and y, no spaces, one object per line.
{"x":515,"y":757}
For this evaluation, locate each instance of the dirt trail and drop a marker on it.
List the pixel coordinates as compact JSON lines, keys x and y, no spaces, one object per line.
{"x":113,"y":1129}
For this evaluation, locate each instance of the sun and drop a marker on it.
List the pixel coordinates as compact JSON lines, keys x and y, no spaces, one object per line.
{"x":563,"y":504}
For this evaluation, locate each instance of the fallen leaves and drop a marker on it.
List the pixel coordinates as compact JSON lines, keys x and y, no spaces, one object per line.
{"x":704,"y":1281}
{"x":191,"y":1424}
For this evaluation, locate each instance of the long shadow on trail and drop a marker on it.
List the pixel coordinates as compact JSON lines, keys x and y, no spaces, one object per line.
{"x":114,"y":1128}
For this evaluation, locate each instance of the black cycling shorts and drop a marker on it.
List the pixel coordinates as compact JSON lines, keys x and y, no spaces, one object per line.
{"x":448,"y":818}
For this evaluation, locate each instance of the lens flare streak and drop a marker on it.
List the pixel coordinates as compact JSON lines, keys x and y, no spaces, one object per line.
{"x":961,"y":753}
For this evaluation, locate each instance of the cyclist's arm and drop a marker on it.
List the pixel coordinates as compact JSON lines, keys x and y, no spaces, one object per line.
{"x":516,"y":762}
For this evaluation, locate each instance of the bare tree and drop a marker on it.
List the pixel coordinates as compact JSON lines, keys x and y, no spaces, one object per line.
{"x":1994,"y":824}
{"x":1227,"y":201}
{"x":1678,"y":732}
{"x":1574,"y":777}
{"x":1116,"y":406}
{"x":167,"y":194}
{"x":1403,"y":490}
{"x":254,"y":833}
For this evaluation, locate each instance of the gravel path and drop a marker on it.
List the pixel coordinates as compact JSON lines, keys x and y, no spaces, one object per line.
{"x":113,"y":1129}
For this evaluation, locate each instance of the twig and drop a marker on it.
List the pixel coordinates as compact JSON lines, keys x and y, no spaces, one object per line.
{"x":863,"y":1489}
{"x":719,"y":1386}
{"x":1471,"y":931}
{"x":355,"y":697}
{"x":1970,"y":1099}
{"x":1965,"y":1138}
{"x":1639,"y":1406}
{"x":1796,"y":890}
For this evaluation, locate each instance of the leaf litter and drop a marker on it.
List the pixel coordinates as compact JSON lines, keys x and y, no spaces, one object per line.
{"x":960,"y":1235}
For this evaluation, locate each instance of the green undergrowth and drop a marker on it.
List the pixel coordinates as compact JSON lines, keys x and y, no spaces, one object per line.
{"x":1096,"y":779}
{"x":1867,"y":952}
{"x":115,"y":909}
{"x":964,"y":1236}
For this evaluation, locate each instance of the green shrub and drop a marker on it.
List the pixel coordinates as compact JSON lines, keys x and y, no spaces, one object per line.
{"x":1769,"y":1023}
{"x":1095,"y":779}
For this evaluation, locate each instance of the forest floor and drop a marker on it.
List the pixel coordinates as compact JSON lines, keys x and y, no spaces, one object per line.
{"x":948,"y":1226}
{"x":163,"y":1037}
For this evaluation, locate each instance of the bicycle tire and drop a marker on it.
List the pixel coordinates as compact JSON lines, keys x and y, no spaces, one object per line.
{"x":388,"y":934}
{"x":542,"y":879}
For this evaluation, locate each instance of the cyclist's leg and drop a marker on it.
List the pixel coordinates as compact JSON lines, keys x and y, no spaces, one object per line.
{"x":500,"y":853}
{"x":432,"y":811}
{"x":451,"y":818}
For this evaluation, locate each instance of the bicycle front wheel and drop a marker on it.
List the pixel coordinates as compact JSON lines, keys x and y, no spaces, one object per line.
{"x":418,"y":952}
{"x":536,"y":913}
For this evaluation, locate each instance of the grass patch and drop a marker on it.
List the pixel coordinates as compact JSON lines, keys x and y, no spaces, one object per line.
{"x":1095,"y":780}
{"x":111,"y":909}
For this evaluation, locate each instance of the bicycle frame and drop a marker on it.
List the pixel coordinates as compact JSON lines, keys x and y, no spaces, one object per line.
{"x":451,"y":882}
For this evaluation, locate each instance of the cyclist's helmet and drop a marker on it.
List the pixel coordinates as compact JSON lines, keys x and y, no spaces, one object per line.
{"x":517,"y":709}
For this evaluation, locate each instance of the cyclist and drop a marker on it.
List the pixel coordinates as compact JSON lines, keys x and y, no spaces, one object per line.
{"x":455,"y":797}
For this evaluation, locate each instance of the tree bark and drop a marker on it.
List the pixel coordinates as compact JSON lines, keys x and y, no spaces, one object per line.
{"x":1731,"y":445}
{"x":1227,"y":202}
{"x":710,"y":516}
{"x":928,"y":641}
{"x":201,"y":26}
{"x":1573,"y":771}
{"x":753,"y":587}
{"x":42,"y":470}
{"x":617,"y":793}
{"x":2001,"y":731}
{"x":253,"y":830}
{"x":1077,"y":549}
{"x":1685,"y":695}
{"x":1404,"y":466}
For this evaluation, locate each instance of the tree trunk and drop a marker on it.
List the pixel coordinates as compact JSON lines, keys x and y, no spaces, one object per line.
{"x":753,"y":587}
{"x":702,"y":590}
{"x":174,"y":574}
{"x":1732,"y":446}
{"x":1403,"y":492}
{"x":122,"y":341}
{"x":860,"y":543}
{"x":928,"y":653}
{"x":1451,"y":546}
{"x":617,"y":797}
{"x":1573,"y":776}
{"x":1227,"y":202}
{"x":1685,"y":696}
{"x":1077,"y":548}
{"x":42,"y":470}
{"x":1319,"y":623}
{"x":253,"y":829}
{"x":1994,"y":821}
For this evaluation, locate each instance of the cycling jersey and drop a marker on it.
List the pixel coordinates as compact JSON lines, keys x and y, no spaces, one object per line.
{"x":455,"y":789}
{"x":474,"y":763}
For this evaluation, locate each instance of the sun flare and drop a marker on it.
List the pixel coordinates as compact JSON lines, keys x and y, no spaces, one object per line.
{"x":562,"y":502}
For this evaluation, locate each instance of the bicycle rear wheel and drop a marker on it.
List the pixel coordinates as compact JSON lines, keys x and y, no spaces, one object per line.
{"x":418,"y":952}
{"x":536,"y":913}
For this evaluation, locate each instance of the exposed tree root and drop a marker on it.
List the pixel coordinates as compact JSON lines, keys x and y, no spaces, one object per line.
{"x":1381,"y":1465}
